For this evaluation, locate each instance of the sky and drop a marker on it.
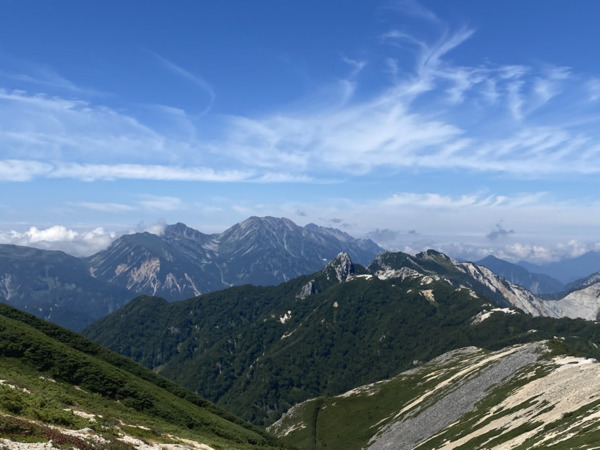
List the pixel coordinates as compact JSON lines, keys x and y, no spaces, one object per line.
{"x":471,"y":127}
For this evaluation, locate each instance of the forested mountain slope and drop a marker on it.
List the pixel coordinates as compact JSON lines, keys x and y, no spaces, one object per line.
{"x":259,"y":350}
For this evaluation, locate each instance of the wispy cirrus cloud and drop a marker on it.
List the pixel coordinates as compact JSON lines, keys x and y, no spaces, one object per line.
{"x":415,"y":9}
{"x":27,"y":170}
{"x":196,"y":79}
{"x":161,"y":203}
{"x":94,"y":172}
{"x":39,"y":77}
{"x":107,"y":207}
{"x":424,"y":119}
{"x":152,"y":203}
{"x":432,"y":114}
{"x":17,"y":170}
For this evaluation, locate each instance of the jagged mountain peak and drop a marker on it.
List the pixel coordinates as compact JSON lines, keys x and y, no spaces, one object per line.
{"x":267,"y":232}
{"x":181,"y":230}
{"x":342,"y":266}
{"x":183,"y":262}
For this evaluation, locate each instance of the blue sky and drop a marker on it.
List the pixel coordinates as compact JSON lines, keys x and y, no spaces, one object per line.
{"x":471,"y":127}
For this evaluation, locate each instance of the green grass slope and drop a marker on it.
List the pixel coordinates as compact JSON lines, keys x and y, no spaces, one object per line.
{"x":52,"y":378}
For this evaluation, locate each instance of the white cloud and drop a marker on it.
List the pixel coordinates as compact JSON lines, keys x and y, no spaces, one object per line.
{"x":161,"y":203}
{"x":541,"y":254}
{"x":157,"y":228}
{"x":196,"y":79}
{"x":58,"y":237}
{"x":593,"y":87}
{"x":79,"y":242}
{"x":53,"y":234}
{"x":93,"y":172}
{"x":431,"y":200}
{"x":15,"y":170}
{"x":106,"y":207}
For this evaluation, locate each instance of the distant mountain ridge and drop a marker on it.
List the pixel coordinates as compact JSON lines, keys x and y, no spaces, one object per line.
{"x":180,"y":263}
{"x":567,"y":270}
{"x":536,"y":283}
{"x":183,"y":262}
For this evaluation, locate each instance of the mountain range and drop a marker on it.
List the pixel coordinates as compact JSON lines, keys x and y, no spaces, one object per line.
{"x":567,"y":270}
{"x":55,"y":286}
{"x":536,"y":283}
{"x":183,"y":262}
{"x":257,"y":351}
{"x":180,"y":263}
{"x":416,"y":351}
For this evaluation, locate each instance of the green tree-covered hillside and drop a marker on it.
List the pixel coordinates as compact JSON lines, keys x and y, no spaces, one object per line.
{"x":259,"y":350}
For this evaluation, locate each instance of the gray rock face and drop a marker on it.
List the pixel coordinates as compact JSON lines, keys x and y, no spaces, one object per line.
{"x":341,"y":266}
{"x":429,"y":420}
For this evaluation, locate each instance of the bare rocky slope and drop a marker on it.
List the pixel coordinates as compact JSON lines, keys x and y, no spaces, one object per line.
{"x":525,"y":396}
